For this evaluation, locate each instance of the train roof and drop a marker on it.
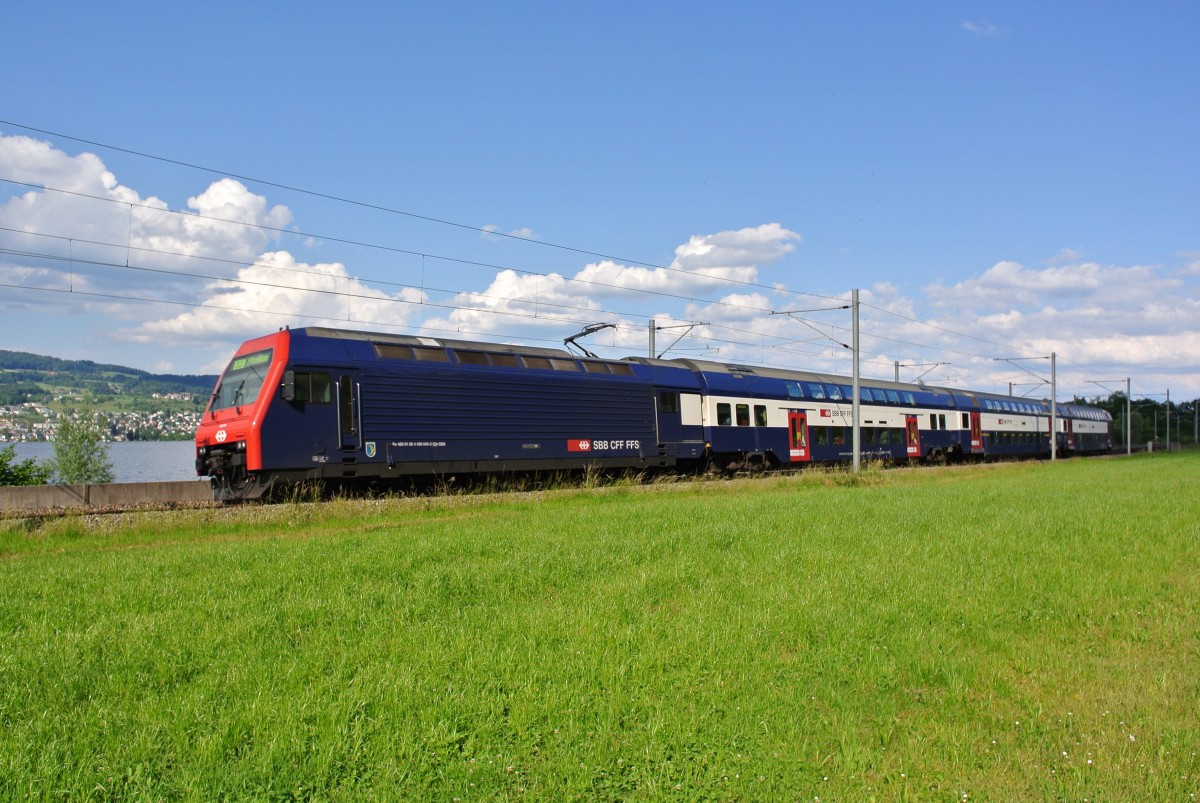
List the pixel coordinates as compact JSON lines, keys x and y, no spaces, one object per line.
{"x":941,"y":395}
{"x":413,"y":340}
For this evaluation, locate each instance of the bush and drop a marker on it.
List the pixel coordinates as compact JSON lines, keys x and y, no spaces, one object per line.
{"x":25,"y":472}
{"x":80,"y":454}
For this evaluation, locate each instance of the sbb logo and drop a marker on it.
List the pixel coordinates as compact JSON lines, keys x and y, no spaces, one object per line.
{"x":579,"y":446}
{"x":221,"y":435}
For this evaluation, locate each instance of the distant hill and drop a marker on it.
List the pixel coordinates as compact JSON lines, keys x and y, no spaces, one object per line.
{"x":34,"y":377}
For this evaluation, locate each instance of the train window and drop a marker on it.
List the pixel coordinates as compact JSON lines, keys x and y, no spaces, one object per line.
{"x":471,"y":357}
{"x":966,"y":421}
{"x":879,"y":395}
{"x":817,"y":391}
{"x":794,"y":390}
{"x":833,"y":392}
{"x":821,"y":436}
{"x":620,"y":368}
{"x":909,"y":398}
{"x":314,"y":388}
{"x":390,"y":351}
{"x":346,"y":404}
{"x":506,"y":360}
{"x":864,"y":394}
{"x":724,"y":415}
{"x":242,"y":380}
{"x":868,"y":436}
{"x":893,"y":397}
{"x":535,"y":362}
{"x":559,"y":364}
{"x":668,"y":402}
{"x":932,"y":421}
{"x":424,"y":354}
{"x":760,"y":415}
{"x":322,"y":386}
{"x":743,"y":415}
{"x":941,"y":420}
{"x":595,"y":367}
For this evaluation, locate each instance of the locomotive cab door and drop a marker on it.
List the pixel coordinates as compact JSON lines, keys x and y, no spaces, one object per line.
{"x":912,"y":436}
{"x":798,"y":448}
{"x":349,"y":406}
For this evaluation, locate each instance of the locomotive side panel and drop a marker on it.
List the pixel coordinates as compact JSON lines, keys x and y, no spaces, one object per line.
{"x":452,"y":413}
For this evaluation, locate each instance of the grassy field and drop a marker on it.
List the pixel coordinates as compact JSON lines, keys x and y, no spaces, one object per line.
{"x":1027,"y":631}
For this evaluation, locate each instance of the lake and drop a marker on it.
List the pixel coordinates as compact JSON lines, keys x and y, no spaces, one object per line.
{"x":132,"y":461}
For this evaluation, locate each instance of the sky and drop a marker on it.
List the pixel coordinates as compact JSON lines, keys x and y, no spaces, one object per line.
{"x":999,"y":182}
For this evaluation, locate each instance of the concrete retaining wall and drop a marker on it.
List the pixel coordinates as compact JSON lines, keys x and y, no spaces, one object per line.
{"x":117,"y":493}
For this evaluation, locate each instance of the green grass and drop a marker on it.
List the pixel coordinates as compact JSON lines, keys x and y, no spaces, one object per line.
{"x":1026,"y":631}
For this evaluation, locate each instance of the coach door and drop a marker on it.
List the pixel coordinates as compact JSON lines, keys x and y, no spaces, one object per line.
{"x":912,"y":436}
{"x":798,"y":437}
{"x":976,"y":432}
{"x":669,"y":417}
{"x":1070,"y":434}
{"x":349,"y":407}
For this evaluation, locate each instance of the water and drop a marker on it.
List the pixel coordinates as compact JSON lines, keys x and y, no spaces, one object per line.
{"x":132,"y":461}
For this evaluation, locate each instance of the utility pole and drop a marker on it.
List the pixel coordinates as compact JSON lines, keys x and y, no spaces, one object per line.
{"x":651,"y":355}
{"x":855,"y":404}
{"x":1053,"y":407}
{"x":1168,"y":420}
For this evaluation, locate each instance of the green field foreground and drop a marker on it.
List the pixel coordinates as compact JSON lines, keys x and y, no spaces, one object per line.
{"x":1011,"y":632}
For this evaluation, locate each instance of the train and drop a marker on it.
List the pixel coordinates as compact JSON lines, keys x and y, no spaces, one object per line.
{"x":338,"y":406}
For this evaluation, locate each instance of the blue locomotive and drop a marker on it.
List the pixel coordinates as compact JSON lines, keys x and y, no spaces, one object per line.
{"x":338,"y":405}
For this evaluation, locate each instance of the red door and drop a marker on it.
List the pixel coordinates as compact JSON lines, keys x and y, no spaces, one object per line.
{"x":798,"y":437}
{"x":1070,"y":435}
{"x":912,"y":436}
{"x":976,"y":432}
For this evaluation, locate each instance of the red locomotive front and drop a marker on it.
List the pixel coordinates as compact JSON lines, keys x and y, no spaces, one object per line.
{"x":228,"y":439}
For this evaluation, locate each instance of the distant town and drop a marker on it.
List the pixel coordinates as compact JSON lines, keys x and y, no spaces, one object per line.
{"x":37,"y":391}
{"x":34,"y":421}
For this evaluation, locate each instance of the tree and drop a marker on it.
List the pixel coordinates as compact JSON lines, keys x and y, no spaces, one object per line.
{"x":80,"y":454}
{"x":24,"y":472}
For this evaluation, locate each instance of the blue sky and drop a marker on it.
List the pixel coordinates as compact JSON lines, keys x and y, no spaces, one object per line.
{"x":998,"y":179}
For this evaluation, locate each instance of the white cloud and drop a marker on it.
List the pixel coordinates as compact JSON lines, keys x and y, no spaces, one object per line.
{"x":302,"y":294}
{"x":1008,"y":283}
{"x":980,"y":28}
{"x":104,"y":231}
{"x":706,"y":262}
{"x":495,"y":234}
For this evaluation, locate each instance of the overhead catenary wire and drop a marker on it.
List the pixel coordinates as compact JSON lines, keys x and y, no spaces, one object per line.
{"x":409,"y":252}
{"x":490,"y":232}
{"x":329,"y":196}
